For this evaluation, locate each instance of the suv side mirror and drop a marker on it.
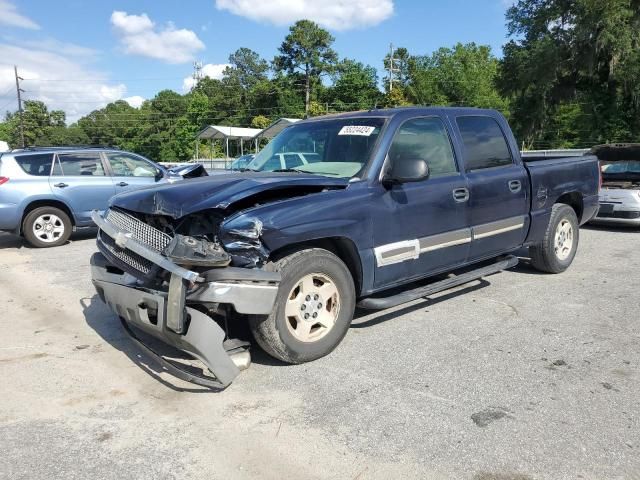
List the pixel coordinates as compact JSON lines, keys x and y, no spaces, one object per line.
{"x":407,"y":170}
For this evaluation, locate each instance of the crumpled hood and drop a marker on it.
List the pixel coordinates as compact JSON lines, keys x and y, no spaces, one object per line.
{"x":182,"y":198}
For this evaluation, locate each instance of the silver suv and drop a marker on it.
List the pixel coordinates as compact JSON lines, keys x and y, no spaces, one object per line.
{"x":47,"y":192}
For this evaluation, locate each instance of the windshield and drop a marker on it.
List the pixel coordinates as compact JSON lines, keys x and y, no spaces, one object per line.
{"x":335,"y":148}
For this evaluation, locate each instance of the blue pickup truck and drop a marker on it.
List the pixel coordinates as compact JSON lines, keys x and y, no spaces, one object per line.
{"x":390,"y":197}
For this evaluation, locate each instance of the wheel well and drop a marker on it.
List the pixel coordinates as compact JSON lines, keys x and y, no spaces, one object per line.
{"x":46,"y":203}
{"x":342,"y":247}
{"x":574,"y":200}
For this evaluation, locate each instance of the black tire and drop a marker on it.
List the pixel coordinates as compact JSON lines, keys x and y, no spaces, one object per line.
{"x":63,"y":221}
{"x":272,"y":331}
{"x":544,"y":256}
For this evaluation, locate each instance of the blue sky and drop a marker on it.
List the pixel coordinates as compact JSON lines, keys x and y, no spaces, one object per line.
{"x":77,"y":55}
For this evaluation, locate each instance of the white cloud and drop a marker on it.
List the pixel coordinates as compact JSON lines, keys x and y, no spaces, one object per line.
{"x":135,"y":101}
{"x":333,"y":14}
{"x":139,"y":36}
{"x":211,"y":70}
{"x":9,"y":16}
{"x":63,"y":81}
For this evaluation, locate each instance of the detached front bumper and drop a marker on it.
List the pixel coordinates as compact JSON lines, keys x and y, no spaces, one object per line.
{"x":169,"y":315}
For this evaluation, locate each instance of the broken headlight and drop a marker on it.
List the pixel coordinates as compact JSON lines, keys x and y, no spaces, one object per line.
{"x":241,"y":238}
{"x":193,"y":251}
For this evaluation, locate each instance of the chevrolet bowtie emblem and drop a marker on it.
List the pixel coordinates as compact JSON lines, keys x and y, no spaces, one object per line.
{"x":121,"y":239}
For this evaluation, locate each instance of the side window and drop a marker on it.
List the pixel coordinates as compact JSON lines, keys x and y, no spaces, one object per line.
{"x":79,"y":164}
{"x":425,"y":139}
{"x":37,"y":164}
{"x":272,"y":164}
{"x":484,"y":143}
{"x":126,"y":165}
{"x":292,"y":160}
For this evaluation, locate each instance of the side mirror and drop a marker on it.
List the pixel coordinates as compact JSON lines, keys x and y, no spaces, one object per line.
{"x":159,"y":174}
{"x":407,"y":170}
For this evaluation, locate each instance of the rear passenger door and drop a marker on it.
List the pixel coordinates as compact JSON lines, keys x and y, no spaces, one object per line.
{"x":79,"y":179}
{"x":498,"y":187}
{"x":131,"y":171}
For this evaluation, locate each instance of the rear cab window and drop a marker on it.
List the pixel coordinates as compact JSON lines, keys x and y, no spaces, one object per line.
{"x":36,"y":164}
{"x":485,"y":145}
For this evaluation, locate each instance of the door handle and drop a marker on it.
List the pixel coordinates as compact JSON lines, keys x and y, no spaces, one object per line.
{"x":123,"y":184}
{"x":61,"y":185}
{"x":461,"y":195}
{"x":515,"y":186}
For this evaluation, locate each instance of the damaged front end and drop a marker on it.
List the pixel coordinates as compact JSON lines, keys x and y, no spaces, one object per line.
{"x":172,"y":279}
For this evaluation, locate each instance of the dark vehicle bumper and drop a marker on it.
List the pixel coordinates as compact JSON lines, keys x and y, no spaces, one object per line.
{"x":170,"y":315}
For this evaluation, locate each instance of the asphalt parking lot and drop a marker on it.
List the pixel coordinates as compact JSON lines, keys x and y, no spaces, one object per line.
{"x":520,"y":376}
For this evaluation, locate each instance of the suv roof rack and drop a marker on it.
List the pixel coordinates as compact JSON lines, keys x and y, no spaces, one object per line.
{"x":58,"y":147}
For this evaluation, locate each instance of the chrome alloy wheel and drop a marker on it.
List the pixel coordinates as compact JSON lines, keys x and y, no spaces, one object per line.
{"x":312,"y":307}
{"x":48,"y":228}
{"x":563,"y":241}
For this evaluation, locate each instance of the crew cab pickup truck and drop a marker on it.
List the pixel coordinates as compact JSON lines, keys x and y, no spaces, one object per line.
{"x":390,"y":197}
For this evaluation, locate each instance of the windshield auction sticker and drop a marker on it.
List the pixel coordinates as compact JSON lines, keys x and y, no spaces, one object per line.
{"x":356,"y":130}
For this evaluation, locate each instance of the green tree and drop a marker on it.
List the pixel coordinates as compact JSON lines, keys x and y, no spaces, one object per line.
{"x":39,"y":124}
{"x":463,"y":75}
{"x":355,"y":86}
{"x":248,"y":67}
{"x":117,"y":124}
{"x":306,"y":49}
{"x":571,"y":68}
{"x":260,"y":121}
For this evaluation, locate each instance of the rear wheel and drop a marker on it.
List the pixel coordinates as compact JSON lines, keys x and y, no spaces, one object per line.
{"x":313,"y":309}
{"x":46,"y":227}
{"x":558,"y":248}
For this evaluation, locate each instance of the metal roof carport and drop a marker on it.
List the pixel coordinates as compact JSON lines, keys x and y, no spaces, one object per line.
{"x":275,"y":128}
{"x":221,"y":132}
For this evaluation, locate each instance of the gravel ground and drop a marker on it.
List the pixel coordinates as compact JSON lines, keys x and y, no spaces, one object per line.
{"x":519,"y":376}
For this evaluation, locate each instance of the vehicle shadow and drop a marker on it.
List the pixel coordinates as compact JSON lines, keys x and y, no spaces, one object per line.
{"x":366,"y":318}
{"x":9,"y":240}
{"x":107,"y":325}
{"x":611,"y":228}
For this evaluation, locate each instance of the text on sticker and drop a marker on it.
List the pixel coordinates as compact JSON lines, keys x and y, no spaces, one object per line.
{"x":356,"y":130}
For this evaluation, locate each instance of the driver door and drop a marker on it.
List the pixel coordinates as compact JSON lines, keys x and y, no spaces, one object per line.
{"x":422,"y":227}
{"x":129,"y":171}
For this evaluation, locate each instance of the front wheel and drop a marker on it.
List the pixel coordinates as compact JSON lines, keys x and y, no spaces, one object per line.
{"x":313,"y":309}
{"x":558,"y":248}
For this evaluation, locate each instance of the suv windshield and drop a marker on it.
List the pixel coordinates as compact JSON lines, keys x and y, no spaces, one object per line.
{"x":336,"y":148}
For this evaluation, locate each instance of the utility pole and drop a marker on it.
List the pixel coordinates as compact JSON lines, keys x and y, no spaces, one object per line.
{"x":197,"y":74}
{"x":18,"y":91}
{"x":392,"y":68}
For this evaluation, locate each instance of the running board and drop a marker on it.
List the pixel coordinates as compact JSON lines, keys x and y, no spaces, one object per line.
{"x":381,"y":303}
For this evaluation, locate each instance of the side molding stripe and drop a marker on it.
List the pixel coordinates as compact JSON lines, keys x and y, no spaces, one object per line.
{"x":496,"y":228}
{"x":397,"y":252}
{"x":443,"y":240}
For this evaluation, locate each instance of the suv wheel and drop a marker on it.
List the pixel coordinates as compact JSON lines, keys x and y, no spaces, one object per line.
{"x":46,"y":227}
{"x":313,"y":309}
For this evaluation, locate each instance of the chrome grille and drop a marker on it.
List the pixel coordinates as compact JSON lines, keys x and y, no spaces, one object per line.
{"x":140,"y":231}
{"x":129,"y":258}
